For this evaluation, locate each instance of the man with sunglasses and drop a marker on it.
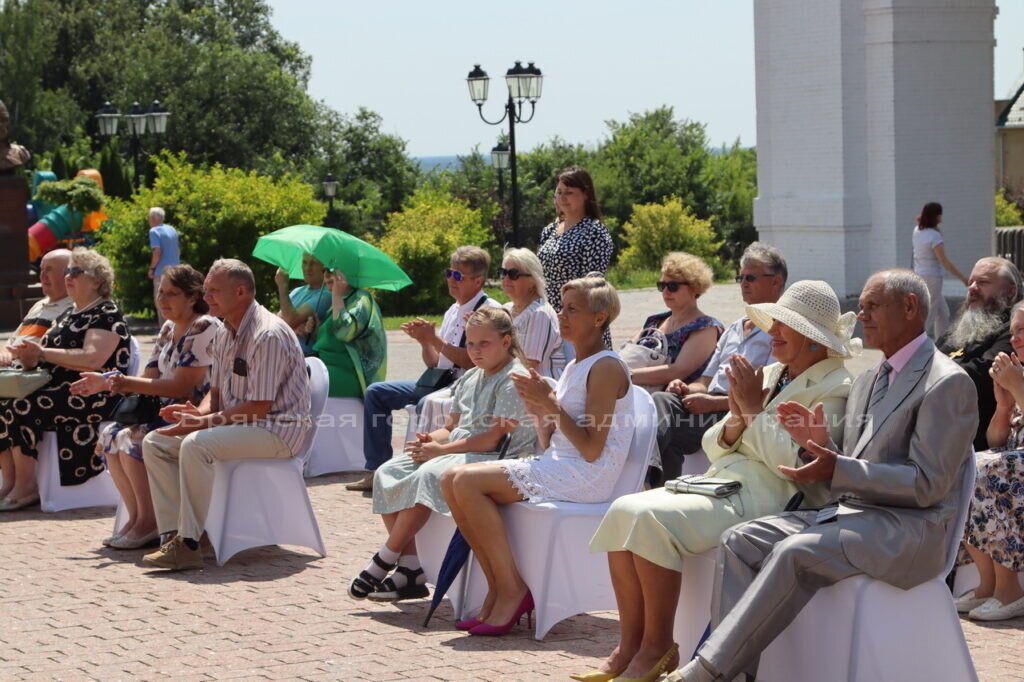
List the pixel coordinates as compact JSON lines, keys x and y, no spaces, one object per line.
{"x":686,"y":411}
{"x":441,"y":349}
{"x":54,"y":302}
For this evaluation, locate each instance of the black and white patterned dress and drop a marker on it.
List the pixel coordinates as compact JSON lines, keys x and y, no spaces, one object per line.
{"x":585,"y":247}
{"x":75,"y":418}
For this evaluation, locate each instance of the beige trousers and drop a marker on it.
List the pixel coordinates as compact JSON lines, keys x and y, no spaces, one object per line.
{"x":180,"y":470}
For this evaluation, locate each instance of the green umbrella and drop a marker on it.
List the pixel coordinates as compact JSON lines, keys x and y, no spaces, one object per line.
{"x":363,"y":265}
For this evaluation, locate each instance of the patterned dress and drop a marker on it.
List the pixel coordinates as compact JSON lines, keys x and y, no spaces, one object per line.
{"x":193,"y":349}
{"x":996,"y":522}
{"x":677,"y":338}
{"x":585,"y":247}
{"x":75,"y":418}
{"x":479,"y":399}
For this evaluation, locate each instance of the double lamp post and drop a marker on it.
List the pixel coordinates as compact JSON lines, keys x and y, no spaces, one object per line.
{"x":139,"y":121}
{"x":524,"y":85}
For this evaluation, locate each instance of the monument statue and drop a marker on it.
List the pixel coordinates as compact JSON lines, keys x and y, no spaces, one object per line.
{"x":11,"y":155}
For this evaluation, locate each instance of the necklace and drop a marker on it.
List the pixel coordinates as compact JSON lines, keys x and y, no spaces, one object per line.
{"x":784,"y":378}
{"x":89,"y":305}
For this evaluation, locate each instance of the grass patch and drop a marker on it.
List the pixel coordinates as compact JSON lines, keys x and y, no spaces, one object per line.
{"x":622,"y":278}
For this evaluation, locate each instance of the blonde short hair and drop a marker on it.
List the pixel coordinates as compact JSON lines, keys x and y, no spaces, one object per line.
{"x":685,"y":267}
{"x":530,"y":264}
{"x":96,"y":266}
{"x":601,"y":296}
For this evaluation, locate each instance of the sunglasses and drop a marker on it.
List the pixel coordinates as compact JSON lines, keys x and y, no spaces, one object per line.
{"x":73,"y":271}
{"x":671,"y":286}
{"x":512,"y":273}
{"x":751,"y":278}
{"x":456,"y":275}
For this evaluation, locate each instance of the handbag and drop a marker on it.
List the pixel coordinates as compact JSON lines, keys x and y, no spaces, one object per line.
{"x":703,"y":485}
{"x":19,"y":383}
{"x":135,"y":409}
{"x":638,"y":354}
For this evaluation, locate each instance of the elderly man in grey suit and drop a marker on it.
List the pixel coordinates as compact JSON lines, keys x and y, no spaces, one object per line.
{"x":894,"y":479}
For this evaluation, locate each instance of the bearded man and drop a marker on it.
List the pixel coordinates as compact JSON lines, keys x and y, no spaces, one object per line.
{"x":981,"y":330}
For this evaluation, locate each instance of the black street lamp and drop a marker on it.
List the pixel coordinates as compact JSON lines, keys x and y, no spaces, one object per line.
{"x":524,"y":84}
{"x":500,"y":161}
{"x":330,"y":191}
{"x":138,"y":120}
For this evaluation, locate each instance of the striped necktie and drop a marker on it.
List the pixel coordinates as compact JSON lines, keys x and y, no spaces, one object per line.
{"x":881,"y":385}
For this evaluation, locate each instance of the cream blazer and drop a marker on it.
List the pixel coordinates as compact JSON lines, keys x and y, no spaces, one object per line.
{"x":752,"y":460}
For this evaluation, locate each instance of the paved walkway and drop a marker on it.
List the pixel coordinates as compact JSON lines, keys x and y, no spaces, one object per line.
{"x":71,"y":610}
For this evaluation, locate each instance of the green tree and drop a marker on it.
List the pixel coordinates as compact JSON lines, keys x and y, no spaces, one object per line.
{"x":732,"y":176}
{"x":421,"y":238}
{"x":657,"y":229}
{"x":1008,"y":214}
{"x":537,"y":171}
{"x":650,"y":157}
{"x":218,"y":212}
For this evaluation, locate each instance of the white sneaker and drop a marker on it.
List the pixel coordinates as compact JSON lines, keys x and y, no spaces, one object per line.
{"x":993,"y":609}
{"x":967,"y":602}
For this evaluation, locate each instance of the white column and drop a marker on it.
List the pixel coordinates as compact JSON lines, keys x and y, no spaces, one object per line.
{"x":867,"y":109}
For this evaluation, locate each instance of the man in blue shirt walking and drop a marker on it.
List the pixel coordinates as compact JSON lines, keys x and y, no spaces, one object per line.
{"x":163,"y":240}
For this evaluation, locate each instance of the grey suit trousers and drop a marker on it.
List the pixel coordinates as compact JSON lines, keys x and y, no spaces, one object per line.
{"x":767,"y":571}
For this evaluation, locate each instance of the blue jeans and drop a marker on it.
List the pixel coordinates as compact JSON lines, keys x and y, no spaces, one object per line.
{"x":379,"y":401}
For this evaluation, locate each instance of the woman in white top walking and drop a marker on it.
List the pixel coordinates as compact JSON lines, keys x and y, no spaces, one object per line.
{"x":929,"y":260}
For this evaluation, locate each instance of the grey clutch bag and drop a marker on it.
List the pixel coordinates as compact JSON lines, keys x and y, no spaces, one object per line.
{"x":18,"y":383}
{"x":703,"y":485}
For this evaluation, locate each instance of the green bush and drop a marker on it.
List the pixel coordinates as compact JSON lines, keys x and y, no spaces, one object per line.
{"x":421,"y":239}
{"x":218,"y":212}
{"x":1008,"y":214}
{"x":654,"y":230}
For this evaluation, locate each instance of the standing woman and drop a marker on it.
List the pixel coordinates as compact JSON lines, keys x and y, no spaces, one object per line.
{"x":929,"y":260}
{"x":578,"y":242}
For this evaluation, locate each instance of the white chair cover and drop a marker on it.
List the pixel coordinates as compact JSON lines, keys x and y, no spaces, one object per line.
{"x":260,"y":502}
{"x":338,"y":444}
{"x":864,"y":630}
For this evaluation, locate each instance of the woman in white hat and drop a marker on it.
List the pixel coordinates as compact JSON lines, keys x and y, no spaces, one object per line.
{"x":647,"y":534}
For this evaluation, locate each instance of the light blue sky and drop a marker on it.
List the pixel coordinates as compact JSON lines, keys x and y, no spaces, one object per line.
{"x":601,"y":60}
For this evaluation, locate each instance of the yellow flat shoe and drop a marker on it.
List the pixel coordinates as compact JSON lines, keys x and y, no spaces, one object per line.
{"x":597,"y":676}
{"x":657,"y":671}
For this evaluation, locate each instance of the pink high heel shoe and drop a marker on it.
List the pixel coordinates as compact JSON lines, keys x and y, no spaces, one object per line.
{"x":525,"y":607}
{"x":467,"y":624}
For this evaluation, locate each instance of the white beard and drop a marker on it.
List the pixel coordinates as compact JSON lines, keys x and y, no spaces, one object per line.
{"x":973,"y":325}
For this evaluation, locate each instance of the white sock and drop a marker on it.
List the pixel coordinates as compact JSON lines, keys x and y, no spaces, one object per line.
{"x":387,"y":556}
{"x":412,"y":563}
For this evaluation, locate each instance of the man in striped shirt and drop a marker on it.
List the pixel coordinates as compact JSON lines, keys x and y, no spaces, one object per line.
{"x":53,"y":304}
{"x":258,"y":407}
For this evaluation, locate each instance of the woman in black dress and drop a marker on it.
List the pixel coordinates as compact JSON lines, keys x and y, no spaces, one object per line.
{"x":577,"y":243}
{"x":91,"y":336}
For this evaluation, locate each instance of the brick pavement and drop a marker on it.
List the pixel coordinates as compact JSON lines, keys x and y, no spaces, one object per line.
{"x":71,"y":610}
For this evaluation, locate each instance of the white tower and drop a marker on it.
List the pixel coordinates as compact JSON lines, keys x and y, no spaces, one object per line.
{"x":866,"y":110}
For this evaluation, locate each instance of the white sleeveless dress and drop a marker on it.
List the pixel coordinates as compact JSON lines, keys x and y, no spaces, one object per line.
{"x":561,"y":473}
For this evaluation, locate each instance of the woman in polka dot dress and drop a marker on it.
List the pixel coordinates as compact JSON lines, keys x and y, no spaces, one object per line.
{"x":577,"y":243}
{"x":90,"y":336}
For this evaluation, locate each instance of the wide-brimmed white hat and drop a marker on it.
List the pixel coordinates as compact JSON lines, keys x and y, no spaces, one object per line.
{"x":811,"y":309}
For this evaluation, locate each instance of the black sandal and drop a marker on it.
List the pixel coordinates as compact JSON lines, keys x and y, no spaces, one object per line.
{"x":364,"y":583}
{"x":410,"y":590}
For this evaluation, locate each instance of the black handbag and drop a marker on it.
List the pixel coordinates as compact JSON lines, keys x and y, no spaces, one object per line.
{"x":135,"y":409}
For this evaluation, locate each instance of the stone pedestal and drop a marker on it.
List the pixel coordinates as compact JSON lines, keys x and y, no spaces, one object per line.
{"x":15,"y":279}
{"x":866,"y":110}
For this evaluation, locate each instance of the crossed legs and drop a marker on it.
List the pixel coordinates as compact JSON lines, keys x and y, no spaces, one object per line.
{"x":474,"y":493}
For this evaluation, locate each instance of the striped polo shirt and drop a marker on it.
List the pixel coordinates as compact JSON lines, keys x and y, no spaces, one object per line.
{"x":263,"y":361}
{"x":41,"y":316}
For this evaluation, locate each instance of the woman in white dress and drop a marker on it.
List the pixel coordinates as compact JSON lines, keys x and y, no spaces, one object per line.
{"x":582,"y":460}
{"x":522,"y":280}
{"x":929,"y":260}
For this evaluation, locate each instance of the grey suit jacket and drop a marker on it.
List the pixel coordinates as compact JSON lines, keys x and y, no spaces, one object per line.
{"x":901,"y":468}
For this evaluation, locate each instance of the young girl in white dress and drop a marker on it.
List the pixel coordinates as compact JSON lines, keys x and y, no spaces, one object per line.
{"x":585,"y":426}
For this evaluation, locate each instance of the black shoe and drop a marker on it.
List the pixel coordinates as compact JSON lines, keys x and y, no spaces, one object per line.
{"x":364,"y":583}
{"x":410,"y":590}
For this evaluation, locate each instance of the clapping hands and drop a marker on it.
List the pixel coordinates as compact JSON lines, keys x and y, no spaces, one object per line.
{"x":746,"y":392}
{"x":809,"y":430}
{"x":1007,"y":378}
{"x":423,"y":448}
{"x":419,"y":329}
{"x":536,"y":393}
